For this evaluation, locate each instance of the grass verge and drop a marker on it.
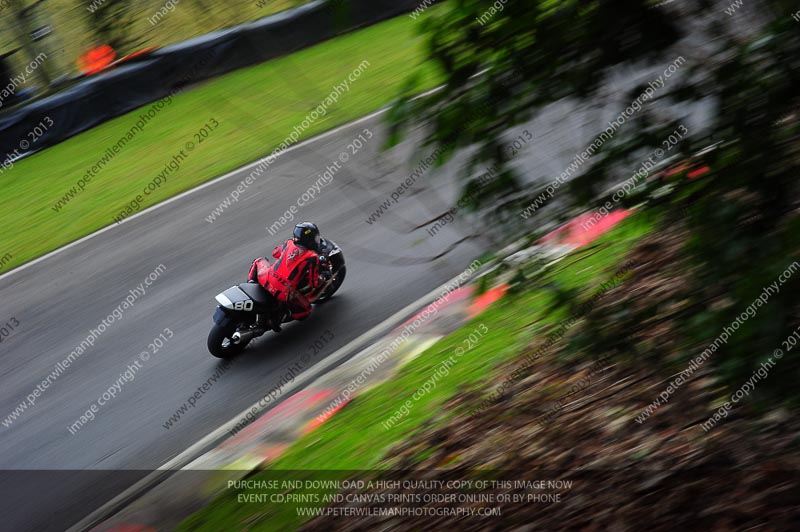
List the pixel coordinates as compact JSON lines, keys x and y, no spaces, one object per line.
{"x":256,"y":108}
{"x":355,"y":439}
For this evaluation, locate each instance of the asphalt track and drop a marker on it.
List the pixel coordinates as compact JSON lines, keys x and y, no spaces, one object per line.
{"x":56,"y":301}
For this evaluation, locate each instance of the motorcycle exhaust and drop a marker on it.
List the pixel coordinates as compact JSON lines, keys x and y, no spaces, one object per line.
{"x":246,"y":336}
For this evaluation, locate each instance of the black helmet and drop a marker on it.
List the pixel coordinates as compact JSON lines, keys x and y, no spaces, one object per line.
{"x":306,"y":235}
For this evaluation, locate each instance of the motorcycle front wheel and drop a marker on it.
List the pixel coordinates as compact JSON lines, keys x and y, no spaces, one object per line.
{"x":338,"y":279}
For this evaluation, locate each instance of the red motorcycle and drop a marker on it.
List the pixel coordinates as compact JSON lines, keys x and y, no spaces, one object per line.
{"x":248,"y":310}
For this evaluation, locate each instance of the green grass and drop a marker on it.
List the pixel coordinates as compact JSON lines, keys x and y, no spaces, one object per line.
{"x":354,"y":439}
{"x":256,"y":108}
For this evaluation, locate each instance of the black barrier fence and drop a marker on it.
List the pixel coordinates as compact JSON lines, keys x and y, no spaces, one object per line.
{"x":103,"y":97}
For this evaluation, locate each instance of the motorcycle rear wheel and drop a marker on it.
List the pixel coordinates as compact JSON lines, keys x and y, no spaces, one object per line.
{"x":220,"y":343}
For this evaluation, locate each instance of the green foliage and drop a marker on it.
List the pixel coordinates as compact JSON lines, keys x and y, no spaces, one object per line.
{"x":742,"y":215}
{"x":112,"y":22}
{"x":745,"y":226}
{"x":75,"y":31}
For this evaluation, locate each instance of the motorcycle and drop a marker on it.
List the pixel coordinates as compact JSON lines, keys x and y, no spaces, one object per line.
{"x":248,"y":310}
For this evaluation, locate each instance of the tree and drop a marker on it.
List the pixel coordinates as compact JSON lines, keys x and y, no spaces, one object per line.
{"x":514,"y":58}
{"x":111,"y":22}
{"x":23,"y":25}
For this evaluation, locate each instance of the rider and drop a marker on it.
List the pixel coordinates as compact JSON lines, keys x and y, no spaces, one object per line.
{"x":299,"y":271}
